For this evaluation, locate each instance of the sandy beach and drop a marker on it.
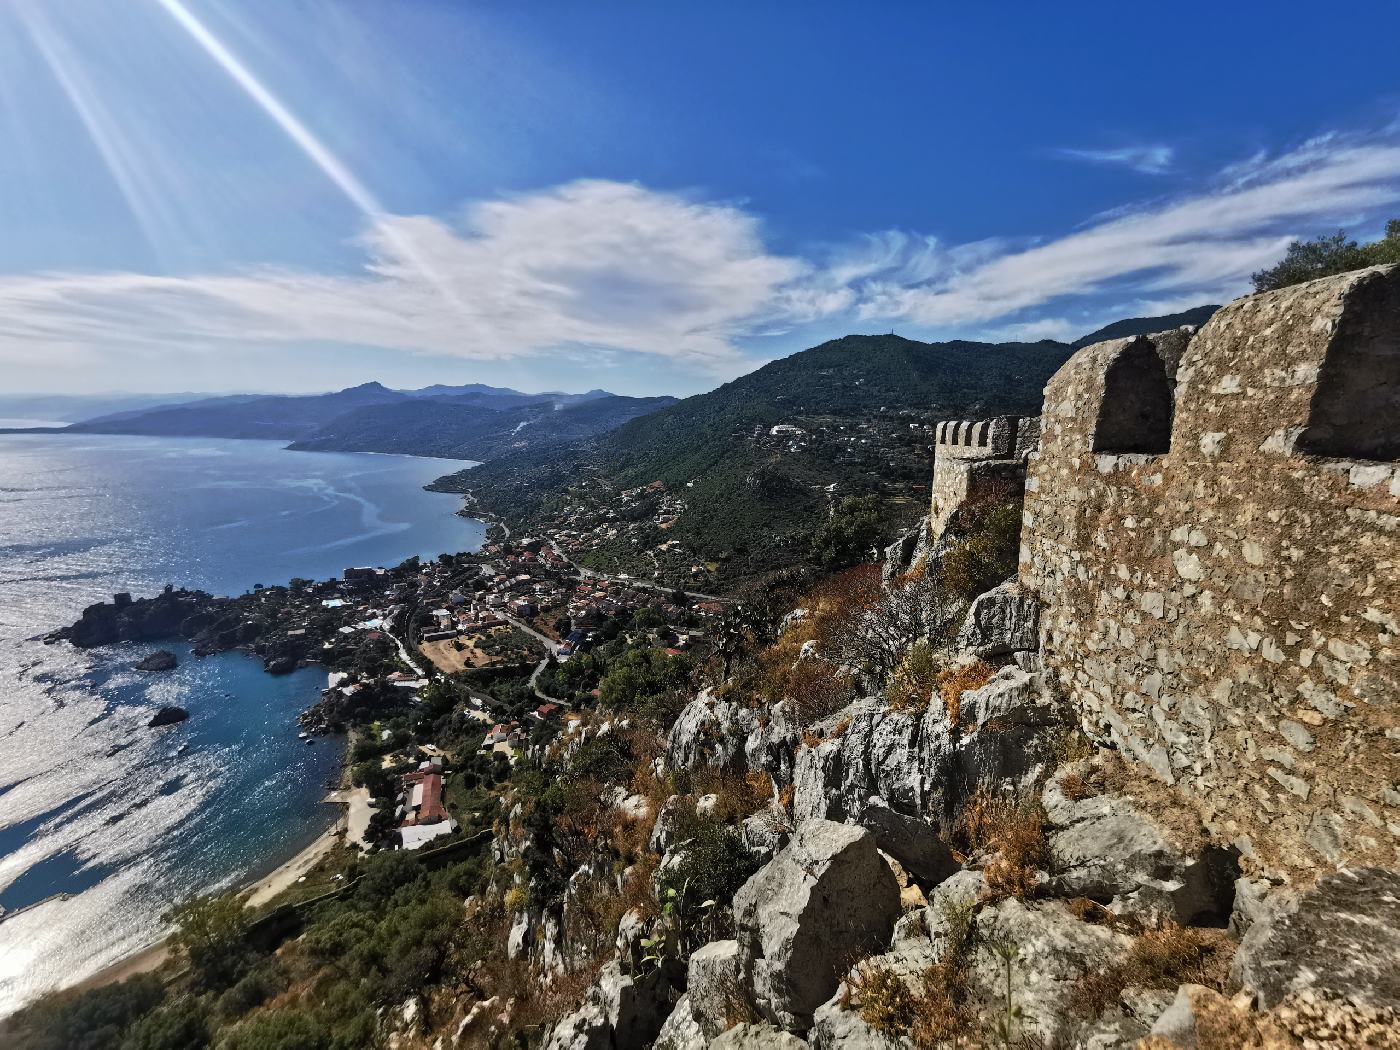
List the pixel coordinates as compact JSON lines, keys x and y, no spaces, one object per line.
{"x":352,"y":825}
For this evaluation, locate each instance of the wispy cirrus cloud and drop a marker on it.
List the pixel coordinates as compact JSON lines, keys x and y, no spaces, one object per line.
{"x":1147,"y":159}
{"x":1204,"y":243}
{"x":599,"y":268}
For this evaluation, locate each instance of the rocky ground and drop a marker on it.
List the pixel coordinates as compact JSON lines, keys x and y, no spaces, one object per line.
{"x":954,"y":874}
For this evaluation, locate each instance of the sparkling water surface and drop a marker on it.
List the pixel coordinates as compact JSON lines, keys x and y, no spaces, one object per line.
{"x":105,"y":823}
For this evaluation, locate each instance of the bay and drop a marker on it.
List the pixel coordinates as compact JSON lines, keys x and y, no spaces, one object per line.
{"x":104,"y":823}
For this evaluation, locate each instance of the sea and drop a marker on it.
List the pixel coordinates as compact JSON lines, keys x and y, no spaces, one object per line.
{"x":105,"y":823}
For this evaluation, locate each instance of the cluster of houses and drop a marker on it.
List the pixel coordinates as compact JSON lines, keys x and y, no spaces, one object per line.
{"x":629,"y":517}
{"x":421,"y":814}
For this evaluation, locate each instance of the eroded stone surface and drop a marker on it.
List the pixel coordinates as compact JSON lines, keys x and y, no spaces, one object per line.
{"x":1227,"y":611}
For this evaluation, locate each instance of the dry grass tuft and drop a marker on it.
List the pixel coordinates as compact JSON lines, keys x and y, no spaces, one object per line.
{"x":1075,"y":788}
{"x":1163,"y":958}
{"x":938,"y":1009}
{"x":955,"y":681}
{"x":1015,"y":832}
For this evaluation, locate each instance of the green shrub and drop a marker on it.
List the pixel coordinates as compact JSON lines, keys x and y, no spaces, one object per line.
{"x":92,"y":1020}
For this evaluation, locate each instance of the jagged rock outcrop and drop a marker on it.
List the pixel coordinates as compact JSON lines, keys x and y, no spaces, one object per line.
{"x":826,"y":898}
{"x":619,"y":1012}
{"x":1339,"y":940}
{"x":724,"y":735}
{"x":1154,"y":863}
{"x":904,"y":552}
{"x":924,"y":765}
{"x":1002,"y":621}
{"x":124,"y":620}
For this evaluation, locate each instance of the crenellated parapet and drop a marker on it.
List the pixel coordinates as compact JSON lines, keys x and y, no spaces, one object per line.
{"x":972,"y":457}
{"x":1212,"y":526}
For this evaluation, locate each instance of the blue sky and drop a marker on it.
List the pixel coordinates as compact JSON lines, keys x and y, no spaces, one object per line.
{"x":291,"y":195}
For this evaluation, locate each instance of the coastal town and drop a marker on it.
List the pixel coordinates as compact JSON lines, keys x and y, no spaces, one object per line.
{"x":434,"y":667}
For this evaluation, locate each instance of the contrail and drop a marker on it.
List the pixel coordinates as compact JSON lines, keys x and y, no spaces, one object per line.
{"x":316,"y":150}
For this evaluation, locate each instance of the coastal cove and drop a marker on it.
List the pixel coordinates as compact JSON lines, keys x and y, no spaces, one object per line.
{"x":104,"y":822}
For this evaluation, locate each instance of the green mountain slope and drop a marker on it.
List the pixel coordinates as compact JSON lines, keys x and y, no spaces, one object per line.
{"x":1196,"y":316}
{"x":865,"y":406}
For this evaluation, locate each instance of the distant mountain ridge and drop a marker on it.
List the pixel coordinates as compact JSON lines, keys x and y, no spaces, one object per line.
{"x":1130,"y":326}
{"x":472,"y":421}
{"x":455,"y":429}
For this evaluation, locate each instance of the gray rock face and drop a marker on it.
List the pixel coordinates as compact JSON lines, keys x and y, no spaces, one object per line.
{"x":1340,"y":939}
{"x":826,"y":898}
{"x":757,"y":1037}
{"x":1002,"y":621}
{"x":877,"y":756}
{"x":618,"y":1013}
{"x":904,"y":768}
{"x":1053,"y":950}
{"x":767,"y":831}
{"x":1114,"y":851}
{"x":901,"y":555}
{"x":720,"y":734}
{"x":716,"y":985}
{"x":681,"y":1032}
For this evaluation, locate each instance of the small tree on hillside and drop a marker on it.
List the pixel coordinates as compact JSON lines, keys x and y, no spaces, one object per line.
{"x":1325,"y":256}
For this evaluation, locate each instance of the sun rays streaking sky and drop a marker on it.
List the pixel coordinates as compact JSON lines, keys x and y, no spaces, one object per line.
{"x":305,"y":194}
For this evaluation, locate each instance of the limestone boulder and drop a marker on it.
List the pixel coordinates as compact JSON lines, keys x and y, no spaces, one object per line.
{"x":724,"y":735}
{"x":1050,"y":951}
{"x":680,"y":1030}
{"x":757,"y":1037}
{"x":828,"y":897}
{"x":875,"y":755}
{"x":1339,"y":940}
{"x":767,"y":831}
{"x":717,"y":986}
{"x":1146,"y":860}
{"x":1002,"y":621}
{"x":1003,"y":741}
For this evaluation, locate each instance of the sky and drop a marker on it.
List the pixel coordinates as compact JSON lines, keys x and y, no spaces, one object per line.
{"x":300,"y":195}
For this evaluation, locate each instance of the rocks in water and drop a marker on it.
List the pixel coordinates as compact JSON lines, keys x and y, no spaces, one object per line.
{"x":1148,"y":858}
{"x":619,"y":1012}
{"x":826,"y":898}
{"x":1339,"y":940}
{"x":167,"y":716}
{"x":124,"y":620}
{"x":1002,"y":621}
{"x":160,"y":660}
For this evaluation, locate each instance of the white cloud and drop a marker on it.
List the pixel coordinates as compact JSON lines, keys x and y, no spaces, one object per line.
{"x":1149,"y":160}
{"x":595,"y":269}
{"x":1207,"y":243}
{"x":588,"y":264}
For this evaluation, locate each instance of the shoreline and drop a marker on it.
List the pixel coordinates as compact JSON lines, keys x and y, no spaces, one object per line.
{"x":350,"y":824}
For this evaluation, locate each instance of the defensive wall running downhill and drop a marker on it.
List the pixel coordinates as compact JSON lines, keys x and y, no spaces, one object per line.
{"x":1212,"y":527}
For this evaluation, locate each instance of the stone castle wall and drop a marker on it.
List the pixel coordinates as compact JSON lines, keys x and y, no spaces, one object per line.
{"x":1212,"y":524}
{"x":971,"y":458}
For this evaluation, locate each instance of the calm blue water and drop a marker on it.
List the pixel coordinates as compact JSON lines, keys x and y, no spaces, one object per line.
{"x":94,"y":804}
